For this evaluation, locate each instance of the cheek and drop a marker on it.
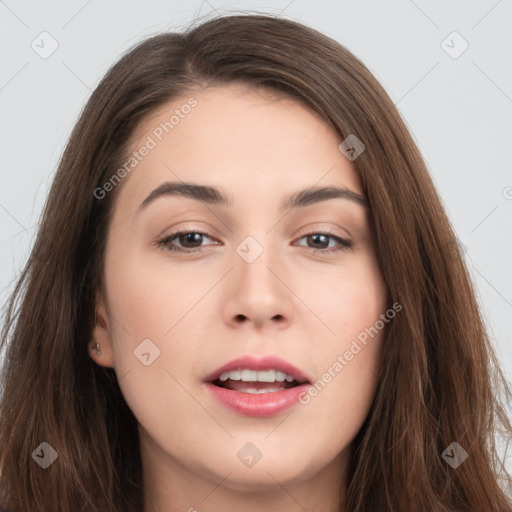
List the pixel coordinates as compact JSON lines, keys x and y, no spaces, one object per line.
{"x":150,"y":299}
{"x":336,"y":406}
{"x":348,"y":300}
{"x":154,"y":342}
{"x":155,"y":310}
{"x":347,"y":361}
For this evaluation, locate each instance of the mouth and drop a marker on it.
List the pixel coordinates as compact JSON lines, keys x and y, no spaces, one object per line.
{"x":255,"y":382}
{"x":257,"y":387}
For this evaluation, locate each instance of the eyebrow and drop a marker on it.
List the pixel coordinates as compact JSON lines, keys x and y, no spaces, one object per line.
{"x":214,"y":196}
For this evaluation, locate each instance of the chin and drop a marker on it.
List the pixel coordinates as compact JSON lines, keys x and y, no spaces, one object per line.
{"x":281,"y":465}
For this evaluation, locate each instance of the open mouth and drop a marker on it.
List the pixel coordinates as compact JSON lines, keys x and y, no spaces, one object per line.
{"x":255,"y":382}
{"x":258,"y":388}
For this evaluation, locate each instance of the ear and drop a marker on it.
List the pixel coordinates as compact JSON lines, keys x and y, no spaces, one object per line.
{"x":101,"y":335}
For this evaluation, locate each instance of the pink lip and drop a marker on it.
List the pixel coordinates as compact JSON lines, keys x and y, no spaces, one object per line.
{"x":257,"y":405}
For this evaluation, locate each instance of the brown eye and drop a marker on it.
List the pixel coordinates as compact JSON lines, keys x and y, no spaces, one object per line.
{"x":183,"y":241}
{"x":190,"y":240}
{"x":319,"y":241}
{"x":322,"y":242}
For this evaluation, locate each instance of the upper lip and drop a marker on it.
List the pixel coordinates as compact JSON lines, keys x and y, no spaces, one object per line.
{"x":262,"y":363}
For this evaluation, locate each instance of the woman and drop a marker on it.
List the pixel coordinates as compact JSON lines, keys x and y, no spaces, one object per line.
{"x":245,"y":294}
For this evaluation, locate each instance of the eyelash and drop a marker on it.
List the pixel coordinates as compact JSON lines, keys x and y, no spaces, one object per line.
{"x":164,"y":243}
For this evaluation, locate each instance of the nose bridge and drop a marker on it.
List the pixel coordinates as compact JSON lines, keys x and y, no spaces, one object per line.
{"x":257,"y":294}
{"x":255,"y":257}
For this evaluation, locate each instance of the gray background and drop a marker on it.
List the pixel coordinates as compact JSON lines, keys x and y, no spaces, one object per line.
{"x":458,"y":107}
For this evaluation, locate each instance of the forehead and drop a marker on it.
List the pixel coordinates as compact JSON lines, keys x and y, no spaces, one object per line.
{"x":253,"y":142}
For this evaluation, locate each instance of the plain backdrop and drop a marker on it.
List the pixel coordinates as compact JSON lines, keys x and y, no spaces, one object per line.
{"x":446,"y":65}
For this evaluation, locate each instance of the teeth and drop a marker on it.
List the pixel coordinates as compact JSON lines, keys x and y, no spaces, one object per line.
{"x":230,"y":375}
{"x":249,"y":375}
{"x":256,"y":376}
{"x":280,"y":376}
{"x":266,"y":376}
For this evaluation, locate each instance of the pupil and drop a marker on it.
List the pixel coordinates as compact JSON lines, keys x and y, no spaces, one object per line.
{"x":190,"y":238}
{"x":316,"y":238}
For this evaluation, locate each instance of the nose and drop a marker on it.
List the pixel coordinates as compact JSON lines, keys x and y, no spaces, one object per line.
{"x":257,"y":293}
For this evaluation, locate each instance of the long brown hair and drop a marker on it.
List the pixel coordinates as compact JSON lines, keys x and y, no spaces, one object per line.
{"x":439,"y":381}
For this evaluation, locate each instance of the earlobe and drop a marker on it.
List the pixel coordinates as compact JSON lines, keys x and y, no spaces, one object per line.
{"x":97,"y":347}
{"x":101,"y":346}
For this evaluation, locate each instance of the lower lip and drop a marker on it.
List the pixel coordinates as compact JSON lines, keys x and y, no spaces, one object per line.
{"x":257,"y":405}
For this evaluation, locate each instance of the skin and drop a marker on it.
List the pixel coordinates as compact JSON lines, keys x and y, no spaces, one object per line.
{"x":208,"y":307}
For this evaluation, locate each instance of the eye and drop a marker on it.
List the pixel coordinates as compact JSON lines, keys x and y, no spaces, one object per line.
{"x":321,"y":242}
{"x":191,"y":241}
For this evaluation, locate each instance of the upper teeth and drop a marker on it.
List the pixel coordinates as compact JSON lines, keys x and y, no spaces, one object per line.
{"x":257,"y":376}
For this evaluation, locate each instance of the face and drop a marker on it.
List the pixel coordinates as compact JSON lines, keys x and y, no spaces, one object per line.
{"x":264,"y":272}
